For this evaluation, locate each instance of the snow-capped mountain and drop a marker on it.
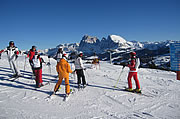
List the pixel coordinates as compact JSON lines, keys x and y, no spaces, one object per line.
{"x":147,"y":51}
{"x":89,"y":44}
{"x":68,"y":47}
{"x":156,"y":45}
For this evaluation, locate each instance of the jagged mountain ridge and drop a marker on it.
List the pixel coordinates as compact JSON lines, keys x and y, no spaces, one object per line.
{"x":147,"y":51}
{"x":93,"y":44}
{"x":90,"y":44}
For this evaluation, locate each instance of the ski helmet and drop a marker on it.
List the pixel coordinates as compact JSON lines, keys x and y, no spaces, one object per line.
{"x":34,"y":47}
{"x":11,"y":43}
{"x":133,"y":53}
{"x":80,"y":53}
{"x":60,"y":49}
{"x":65,"y":56}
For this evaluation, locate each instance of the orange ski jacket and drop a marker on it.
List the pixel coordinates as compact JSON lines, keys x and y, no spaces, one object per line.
{"x":63,"y":68}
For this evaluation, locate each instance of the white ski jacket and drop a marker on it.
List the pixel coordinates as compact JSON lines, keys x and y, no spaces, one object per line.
{"x":79,"y":63}
{"x":37,"y":62}
{"x":11,"y":52}
{"x":59,"y":55}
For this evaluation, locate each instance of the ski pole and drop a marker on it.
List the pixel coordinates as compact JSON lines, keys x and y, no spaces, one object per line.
{"x":24,"y":65}
{"x":86,"y":73}
{"x":119,"y":77}
{"x":49,"y":66}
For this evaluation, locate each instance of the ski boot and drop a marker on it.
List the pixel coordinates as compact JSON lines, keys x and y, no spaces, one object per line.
{"x":129,"y":89}
{"x":84,"y":86}
{"x":14,"y":76}
{"x":137,"y":90}
{"x":20,"y":75}
{"x":79,"y":86}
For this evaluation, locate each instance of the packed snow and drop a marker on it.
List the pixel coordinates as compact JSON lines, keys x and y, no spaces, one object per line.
{"x":160,"y":97}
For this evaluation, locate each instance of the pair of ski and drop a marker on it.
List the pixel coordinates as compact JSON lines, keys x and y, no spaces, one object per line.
{"x":134,"y":92}
{"x":72,"y":91}
{"x":66,"y":97}
{"x":14,"y":78}
{"x":125,"y":89}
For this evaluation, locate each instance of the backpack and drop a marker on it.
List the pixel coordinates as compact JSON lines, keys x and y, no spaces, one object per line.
{"x":137,"y":63}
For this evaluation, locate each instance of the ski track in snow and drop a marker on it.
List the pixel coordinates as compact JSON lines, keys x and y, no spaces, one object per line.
{"x":99,"y":100}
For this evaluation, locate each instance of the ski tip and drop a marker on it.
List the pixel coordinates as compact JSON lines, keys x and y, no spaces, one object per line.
{"x":66,"y":98}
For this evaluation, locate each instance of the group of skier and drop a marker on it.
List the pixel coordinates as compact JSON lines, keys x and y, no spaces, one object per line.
{"x":63,"y":68}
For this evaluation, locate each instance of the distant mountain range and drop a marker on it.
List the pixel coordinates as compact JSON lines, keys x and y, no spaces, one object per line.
{"x":149,"y":52}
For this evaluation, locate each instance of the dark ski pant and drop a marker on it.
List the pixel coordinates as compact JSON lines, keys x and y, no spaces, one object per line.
{"x":31,"y":63}
{"x":134,"y":75}
{"x":38,"y":79}
{"x":80,"y":74}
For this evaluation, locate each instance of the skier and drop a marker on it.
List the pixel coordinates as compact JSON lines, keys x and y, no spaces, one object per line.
{"x":79,"y":67}
{"x":37,"y":69}
{"x":133,"y":66}
{"x":30,"y":55}
{"x":59,"y":54}
{"x":12,"y":54}
{"x":63,"y":68}
{"x":96,"y":62}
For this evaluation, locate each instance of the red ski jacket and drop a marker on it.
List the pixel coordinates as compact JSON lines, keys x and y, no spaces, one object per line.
{"x":132,"y":65}
{"x":31,"y":54}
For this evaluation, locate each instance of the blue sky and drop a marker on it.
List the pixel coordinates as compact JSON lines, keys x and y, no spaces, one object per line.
{"x":47,"y":23}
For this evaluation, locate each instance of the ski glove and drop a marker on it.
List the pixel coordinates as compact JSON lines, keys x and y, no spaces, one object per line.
{"x":48,"y":64}
{"x":124,"y":64}
{"x":74,"y":72}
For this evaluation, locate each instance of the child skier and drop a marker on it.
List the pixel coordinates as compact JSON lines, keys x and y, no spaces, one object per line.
{"x":59,"y":54}
{"x":37,"y":69}
{"x":12,"y":54}
{"x":79,"y":67}
{"x":63,"y":68}
{"x":133,"y":66}
{"x":30,"y":55}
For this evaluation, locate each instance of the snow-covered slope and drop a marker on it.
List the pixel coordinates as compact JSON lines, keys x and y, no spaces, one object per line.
{"x":99,"y":100}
